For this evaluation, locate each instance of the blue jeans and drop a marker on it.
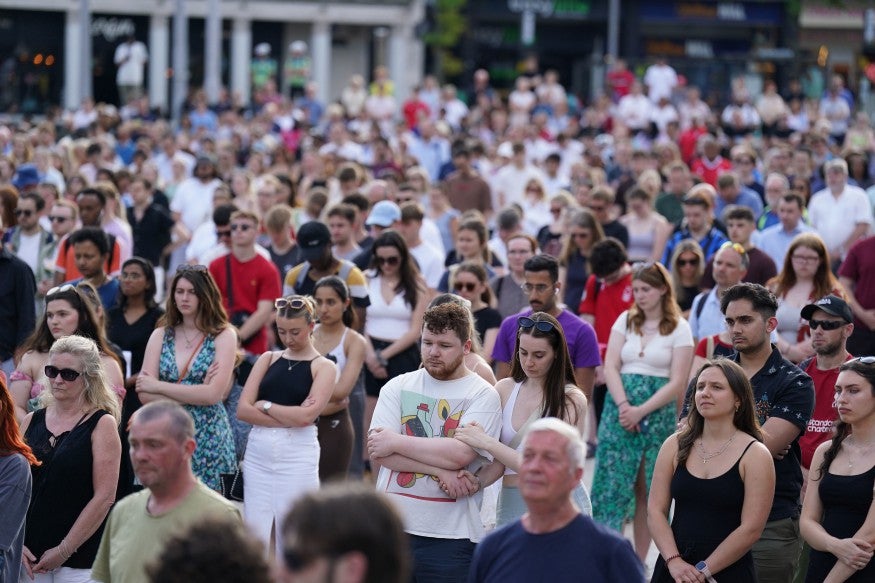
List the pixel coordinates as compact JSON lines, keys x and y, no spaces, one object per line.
{"x":440,"y":560}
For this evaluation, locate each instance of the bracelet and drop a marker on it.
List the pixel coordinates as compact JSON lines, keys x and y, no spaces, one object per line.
{"x":623,"y":402}
{"x":378,"y":354}
{"x":672,"y":558}
{"x":64,"y":549}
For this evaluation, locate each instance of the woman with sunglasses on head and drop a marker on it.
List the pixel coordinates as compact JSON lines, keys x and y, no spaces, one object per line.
{"x":283,"y":398}
{"x":16,"y":458}
{"x":541,"y":384}
{"x":336,"y":339}
{"x":190,"y":359}
{"x":838,"y":515}
{"x":470,"y":282}
{"x":721,"y":478}
{"x":647,"y":365}
{"x":805,"y":277}
{"x":67,"y":312}
{"x":75,"y":437}
{"x":394,"y":318}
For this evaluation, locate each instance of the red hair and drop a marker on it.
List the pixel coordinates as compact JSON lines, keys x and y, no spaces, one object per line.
{"x":11,"y":441}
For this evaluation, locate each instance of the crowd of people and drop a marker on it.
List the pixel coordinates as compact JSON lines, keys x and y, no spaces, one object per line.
{"x":443,"y":294}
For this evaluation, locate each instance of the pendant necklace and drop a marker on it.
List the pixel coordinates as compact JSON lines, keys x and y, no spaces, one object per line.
{"x":188,"y":341}
{"x":291,"y":361}
{"x":645,"y":332}
{"x":863,"y":450}
{"x":709,"y":455}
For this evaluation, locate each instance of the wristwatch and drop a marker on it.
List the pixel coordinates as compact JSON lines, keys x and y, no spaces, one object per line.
{"x":702,"y":568}
{"x":266,"y":407}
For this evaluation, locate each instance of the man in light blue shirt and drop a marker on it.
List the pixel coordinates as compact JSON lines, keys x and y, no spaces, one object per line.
{"x":775,"y":240}
{"x":730,"y":191}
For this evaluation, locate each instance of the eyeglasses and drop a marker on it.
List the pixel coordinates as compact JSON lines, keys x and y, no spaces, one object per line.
{"x":804,"y":259}
{"x":23,"y":212}
{"x":61,"y":288}
{"x":290,"y":303}
{"x":186,"y":268}
{"x":540,"y":288}
{"x":526,"y":323}
{"x":827,"y":324}
{"x":68,"y":374}
{"x":241,"y":227}
{"x":131,"y":275}
{"x":59,"y":219}
{"x":864,"y":359}
{"x":685,"y":262}
{"x":393,"y":260}
{"x":465,"y":285}
{"x":220,"y":234}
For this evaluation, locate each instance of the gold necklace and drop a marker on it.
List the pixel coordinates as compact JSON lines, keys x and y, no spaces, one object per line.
{"x":709,"y":455}
{"x":188,"y":341}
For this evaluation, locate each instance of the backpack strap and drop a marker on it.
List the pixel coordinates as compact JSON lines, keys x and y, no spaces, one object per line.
{"x":302,"y":276}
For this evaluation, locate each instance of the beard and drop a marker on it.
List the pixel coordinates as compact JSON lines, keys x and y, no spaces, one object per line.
{"x":828,"y":348}
{"x":443,"y":371}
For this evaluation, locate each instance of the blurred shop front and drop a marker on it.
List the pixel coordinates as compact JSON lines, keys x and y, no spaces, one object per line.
{"x":31,"y":60}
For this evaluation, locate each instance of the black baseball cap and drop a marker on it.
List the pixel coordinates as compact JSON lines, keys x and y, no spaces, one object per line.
{"x":313,"y":237}
{"x":833,"y":305}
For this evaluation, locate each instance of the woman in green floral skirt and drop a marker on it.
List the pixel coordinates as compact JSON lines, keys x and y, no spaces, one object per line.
{"x":646,"y":368}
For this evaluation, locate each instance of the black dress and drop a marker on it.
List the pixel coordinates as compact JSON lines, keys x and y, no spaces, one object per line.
{"x":706,"y":512}
{"x":62,"y":486}
{"x":846,"y":501}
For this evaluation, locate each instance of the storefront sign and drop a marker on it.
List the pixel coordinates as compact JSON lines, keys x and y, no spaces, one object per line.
{"x":747,"y":13}
{"x":112,"y":29}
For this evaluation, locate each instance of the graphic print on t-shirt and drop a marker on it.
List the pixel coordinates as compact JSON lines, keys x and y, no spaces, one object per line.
{"x":425,"y":416}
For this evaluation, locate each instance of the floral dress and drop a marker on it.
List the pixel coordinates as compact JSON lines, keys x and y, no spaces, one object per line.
{"x":215,"y":440}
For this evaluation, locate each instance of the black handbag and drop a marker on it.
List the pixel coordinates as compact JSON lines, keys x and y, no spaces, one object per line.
{"x":232,"y":484}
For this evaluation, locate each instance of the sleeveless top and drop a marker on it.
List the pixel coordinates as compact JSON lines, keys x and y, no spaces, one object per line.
{"x":287,"y":382}
{"x":62,"y":486}
{"x":846,"y":501}
{"x":386,"y":321}
{"x":507,"y":431}
{"x":640,"y":244}
{"x":338,"y":355}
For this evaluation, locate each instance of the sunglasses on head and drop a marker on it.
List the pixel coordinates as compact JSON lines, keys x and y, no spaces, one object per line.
{"x":393,"y":260}
{"x":735,"y":247}
{"x":60,"y":288}
{"x":465,"y":285}
{"x":195,"y":268}
{"x":527,"y":323}
{"x":826,"y":324}
{"x":291,"y":303}
{"x":864,"y":359}
{"x":68,"y":374}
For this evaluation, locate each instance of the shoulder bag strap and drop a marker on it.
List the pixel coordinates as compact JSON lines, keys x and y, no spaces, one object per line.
{"x":228,"y":282}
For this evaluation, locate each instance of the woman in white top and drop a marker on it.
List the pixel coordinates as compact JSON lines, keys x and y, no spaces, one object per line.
{"x":646,"y":369}
{"x":648,"y":230}
{"x":394,"y":318}
{"x":334,"y":338}
{"x":541,"y":384}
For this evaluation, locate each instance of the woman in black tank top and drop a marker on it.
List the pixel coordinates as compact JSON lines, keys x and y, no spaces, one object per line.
{"x":722,"y":480}
{"x":837,"y":518}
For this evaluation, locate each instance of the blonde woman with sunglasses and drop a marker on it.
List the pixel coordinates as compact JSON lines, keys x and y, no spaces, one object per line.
{"x":283,"y":398}
{"x":190,"y":359}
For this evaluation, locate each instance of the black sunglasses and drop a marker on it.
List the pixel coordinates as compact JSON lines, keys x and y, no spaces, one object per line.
{"x":526,"y":323}
{"x":827,"y":324}
{"x":241,"y":227}
{"x":393,"y":261}
{"x":220,"y":234}
{"x":464,"y":285}
{"x":25,"y":212}
{"x":59,"y":219}
{"x":685,"y":262}
{"x":68,"y":374}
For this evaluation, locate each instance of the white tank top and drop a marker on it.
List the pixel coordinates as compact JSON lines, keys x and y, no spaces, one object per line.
{"x":507,"y":430}
{"x":339,"y":354}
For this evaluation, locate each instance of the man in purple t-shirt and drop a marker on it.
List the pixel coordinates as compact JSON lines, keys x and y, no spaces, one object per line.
{"x":541,"y":273}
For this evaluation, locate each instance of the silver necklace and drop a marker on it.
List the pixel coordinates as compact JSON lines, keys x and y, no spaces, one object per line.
{"x":709,"y":455}
{"x":861,"y":449}
{"x":188,"y":341}
{"x":296,"y":362}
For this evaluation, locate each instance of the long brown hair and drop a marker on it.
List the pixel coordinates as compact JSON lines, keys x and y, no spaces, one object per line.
{"x":561,"y":373}
{"x":478,"y":227}
{"x":655,"y":275}
{"x":408,"y":272}
{"x":842,"y":429}
{"x":211,"y":317}
{"x":583,"y":219}
{"x":825,"y":282}
{"x":11,"y":440}
{"x":478,"y":271}
{"x":745,"y":418}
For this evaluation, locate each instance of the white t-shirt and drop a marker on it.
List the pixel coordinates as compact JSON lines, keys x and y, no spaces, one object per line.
{"x":431,"y":263}
{"x":28,"y":250}
{"x":193,"y":201}
{"x":130,"y":72}
{"x":656,"y":361}
{"x":661,"y":81}
{"x":835,"y":217}
{"x":415,"y":404}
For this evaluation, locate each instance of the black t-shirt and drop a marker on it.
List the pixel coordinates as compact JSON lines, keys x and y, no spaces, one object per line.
{"x":485,"y":319}
{"x":152,"y":233}
{"x":618,"y":231}
{"x":285,"y":261}
{"x":133,"y":337}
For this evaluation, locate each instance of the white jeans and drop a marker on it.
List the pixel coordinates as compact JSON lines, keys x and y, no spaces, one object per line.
{"x":62,"y":575}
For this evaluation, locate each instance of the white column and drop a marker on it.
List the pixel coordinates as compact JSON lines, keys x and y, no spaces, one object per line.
{"x":320,"y":40}
{"x":72,"y":64}
{"x":159,"y":60}
{"x":399,"y":62}
{"x":241,"y":43}
{"x":213,"y":51}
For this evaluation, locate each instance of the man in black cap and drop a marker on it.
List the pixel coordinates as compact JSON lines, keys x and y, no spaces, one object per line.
{"x":831,"y":323}
{"x":314,"y":241}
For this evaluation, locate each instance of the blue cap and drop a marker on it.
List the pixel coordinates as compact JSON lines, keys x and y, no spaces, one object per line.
{"x":384,"y":214}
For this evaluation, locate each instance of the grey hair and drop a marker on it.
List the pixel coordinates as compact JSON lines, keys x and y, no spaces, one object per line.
{"x":575,"y":448}
{"x":181,"y":422}
{"x":780,"y":178}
